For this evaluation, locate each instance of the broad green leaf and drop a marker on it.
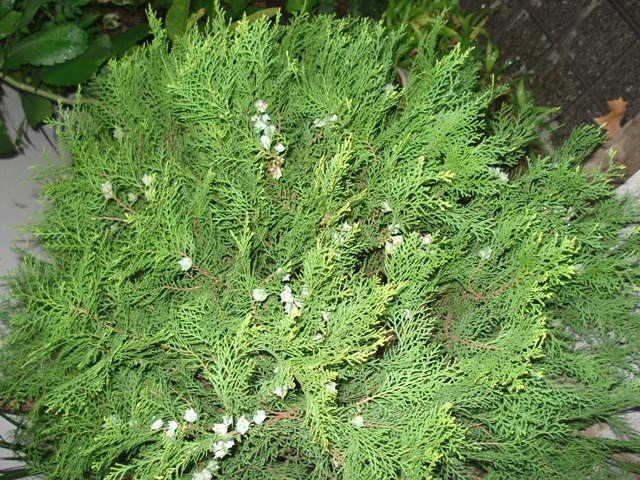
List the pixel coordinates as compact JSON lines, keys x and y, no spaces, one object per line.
{"x":294,"y":6}
{"x":237,"y":7}
{"x":5,"y":7}
{"x":29,"y":11}
{"x":36,"y":108}
{"x":193,"y":19}
{"x":128,"y":38}
{"x":49,"y":47}
{"x":265,"y":12}
{"x":81,"y":68}
{"x":6,"y":145}
{"x":88,"y":20}
{"x":8,"y":23}
{"x":177,"y":17}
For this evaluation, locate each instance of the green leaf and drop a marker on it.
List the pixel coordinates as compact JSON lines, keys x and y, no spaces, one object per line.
{"x":265,"y":12}
{"x":177,"y":17}
{"x":49,"y":47}
{"x":36,"y":108}
{"x":237,"y":8}
{"x":8,"y":23}
{"x":6,"y":145}
{"x":29,"y":11}
{"x":5,"y":7}
{"x":81,"y":68}
{"x":193,"y":19}
{"x":88,"y":20}
{"x":128,"y":38}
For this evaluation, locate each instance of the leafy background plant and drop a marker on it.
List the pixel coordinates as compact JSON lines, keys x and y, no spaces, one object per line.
{"x":51,"y":47}
{"x":477,"y":277}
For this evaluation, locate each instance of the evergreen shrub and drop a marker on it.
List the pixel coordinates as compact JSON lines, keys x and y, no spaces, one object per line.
{"x":266,"y":260}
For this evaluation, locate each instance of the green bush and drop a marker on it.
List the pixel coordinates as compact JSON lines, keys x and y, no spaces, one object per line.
{"x":266,"y":260}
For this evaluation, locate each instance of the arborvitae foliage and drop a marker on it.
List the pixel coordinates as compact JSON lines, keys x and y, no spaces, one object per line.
{"x":265,"y":260}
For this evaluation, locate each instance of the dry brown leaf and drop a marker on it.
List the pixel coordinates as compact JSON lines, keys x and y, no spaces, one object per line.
{"x":611,"y":121}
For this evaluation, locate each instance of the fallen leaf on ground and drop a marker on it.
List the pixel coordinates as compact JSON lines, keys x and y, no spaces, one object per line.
{"x":611,"y":121}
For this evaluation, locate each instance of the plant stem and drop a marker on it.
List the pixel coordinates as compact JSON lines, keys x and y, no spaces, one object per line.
{"x":31,"y":89}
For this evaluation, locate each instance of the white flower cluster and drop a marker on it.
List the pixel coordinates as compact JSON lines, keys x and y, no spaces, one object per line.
{"x":147,"y":180}
{"x":207,"y":472}
{"x":498,"y":172}
{"x":292,"y":303}
{"x":185,"y":264}
{"x":107,"y":189}
{"x":119,"y":133}
{"x":190,"y":416}
{"x":321,"y":122}
{"x":341,"y":235}
{"x":222,"y":447}
{"x":485,"y":253}
{"x":396,"y":240}
{"x":268,"y":131}
{"x":259,"y":294}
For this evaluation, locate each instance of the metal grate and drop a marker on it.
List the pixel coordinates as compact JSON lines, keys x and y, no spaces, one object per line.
{"x":577,"y":54}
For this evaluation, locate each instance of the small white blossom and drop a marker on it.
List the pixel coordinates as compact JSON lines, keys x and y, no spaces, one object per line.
{"x":388,"y":87}
{"x":185,"y":264}
{"x":281,"y":391}
{"x":132,"y":197}
{"x":222,"y":447}
{"x":292,"y":309}
{"x":318,"y":123}
{"x":394,"y":229}
{"x":107,"y":190}
{"x":261,"y":105}
{"x":266,"y":118}
{"x":485,"y":253}
{"x":325,"y":315}
{"x":392,"y":246}
{"x":498,"y":172}
{"x":346,"y":226}
{"x":171,"y":429}
{"x":203,"y":475}
{"x":259,"y":417}
{"x":333,"y":118}
{"x":279,"y":148}
{"x":260,"y":294}
{"x":276,"y":172}
{"x":190,"y":415}
{"x":147,"y":180}
{"x":270,"y":130}
{"x":331,"y":386}
{"x":265,"y":141}
{"x":318,"y":338}
{"x":287,"y":295}
{"x":212,"y":466}
{"x":386,"y":208}
{"x":304,"y":291}
{"x":242,"y":425}
{"x":147,"y":195}
{"x":286,"y":278}
{"x":157,"y":425}
{"x":259,"y":125}
{"x":119,"y":133}
{"x":114,"y":420}
{"x":227,"y":420}
{"x":357,"y":421}
{"x":220,"y":428}
{"x":426,"y":239}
